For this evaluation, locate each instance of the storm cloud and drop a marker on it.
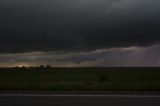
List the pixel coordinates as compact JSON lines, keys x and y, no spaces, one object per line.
{"x":113,"y":57}
{"x":77,"y":25}
{"x":80,"y":33}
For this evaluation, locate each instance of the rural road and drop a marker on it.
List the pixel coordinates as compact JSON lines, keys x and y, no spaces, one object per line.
{"x":78,"y":100}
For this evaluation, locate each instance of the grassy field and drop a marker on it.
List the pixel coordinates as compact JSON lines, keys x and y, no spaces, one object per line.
{"x":81,"y":79}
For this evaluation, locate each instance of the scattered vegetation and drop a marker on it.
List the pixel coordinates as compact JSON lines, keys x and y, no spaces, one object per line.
{"x":103,"y":77}
{"x":80,"y":79}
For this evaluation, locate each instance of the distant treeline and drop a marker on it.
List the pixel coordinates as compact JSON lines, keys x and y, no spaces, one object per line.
{"x":86,"y":68}
{"x":35,"y":67}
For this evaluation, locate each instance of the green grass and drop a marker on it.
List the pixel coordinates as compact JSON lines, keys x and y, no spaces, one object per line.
{"x":81,"y":79}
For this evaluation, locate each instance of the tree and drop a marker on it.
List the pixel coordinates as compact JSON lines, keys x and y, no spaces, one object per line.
{"x":41,"y":66}
{"x":48,"y":66}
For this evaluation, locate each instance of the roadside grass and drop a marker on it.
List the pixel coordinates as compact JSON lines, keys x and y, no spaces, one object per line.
{"x":81,"y":79}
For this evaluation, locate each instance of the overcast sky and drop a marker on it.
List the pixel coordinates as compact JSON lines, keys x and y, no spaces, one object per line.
{"x":80,"y":32}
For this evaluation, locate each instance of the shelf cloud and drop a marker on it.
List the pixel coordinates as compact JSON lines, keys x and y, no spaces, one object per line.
{"x":113,"y":57}
{"x":76,"y":26}
{"x":52,"y":25}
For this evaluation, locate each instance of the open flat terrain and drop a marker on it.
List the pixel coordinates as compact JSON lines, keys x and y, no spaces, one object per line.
{"x":80,"y":79}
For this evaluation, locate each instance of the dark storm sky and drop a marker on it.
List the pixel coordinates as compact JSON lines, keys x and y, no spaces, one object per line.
{"x":76,"y":26}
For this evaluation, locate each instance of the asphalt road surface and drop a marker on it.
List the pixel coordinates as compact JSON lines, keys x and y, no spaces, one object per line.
{"x":78,"y":100}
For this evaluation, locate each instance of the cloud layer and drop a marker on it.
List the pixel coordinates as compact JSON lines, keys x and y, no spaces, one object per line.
{"x":80,"y":33}
{"x":113,"y":57}
{"x":77,"y":25}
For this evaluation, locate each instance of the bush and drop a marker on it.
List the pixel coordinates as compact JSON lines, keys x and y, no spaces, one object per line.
{"x":103,"y":78}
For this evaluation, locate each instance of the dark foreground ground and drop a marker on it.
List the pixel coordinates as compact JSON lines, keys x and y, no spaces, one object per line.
{"x":80,"y":79}
{"x":74,"y":100}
